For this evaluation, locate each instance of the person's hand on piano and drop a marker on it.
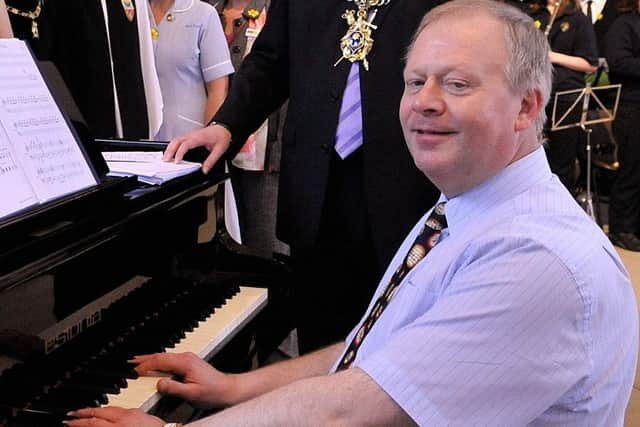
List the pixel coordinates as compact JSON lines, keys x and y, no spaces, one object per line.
{"x":198,"y":382}
{"x":215,"y":138}
{"x":112,"y":416}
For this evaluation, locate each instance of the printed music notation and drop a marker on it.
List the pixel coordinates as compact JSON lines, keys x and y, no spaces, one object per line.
{"x":17,"y":194}
{"x":37,"y":141}
{"x":20,"y":103}
{"x":7,"y":164}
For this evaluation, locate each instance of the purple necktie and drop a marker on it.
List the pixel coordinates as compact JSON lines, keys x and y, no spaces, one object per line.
{"x":349,"y":133}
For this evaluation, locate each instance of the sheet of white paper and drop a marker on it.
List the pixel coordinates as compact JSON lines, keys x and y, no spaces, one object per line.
{"x":41,"y":140}
{"x":151,"y":172}
{"x":133,"y":156}
{"x":17,"y":194}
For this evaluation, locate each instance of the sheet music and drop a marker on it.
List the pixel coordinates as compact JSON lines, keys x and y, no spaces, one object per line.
{"x":40,"y":139}
{"x":17,"y":194}
{"x":147,"y":166}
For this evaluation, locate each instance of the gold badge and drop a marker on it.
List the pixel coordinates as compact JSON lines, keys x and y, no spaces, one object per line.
{"x":564,"y":27}
{"x":129,"y":9}
{"x":252,"y":14}
{"x":357,"y":42}
{"x":538,"y":24}
{"x":154,"y":34}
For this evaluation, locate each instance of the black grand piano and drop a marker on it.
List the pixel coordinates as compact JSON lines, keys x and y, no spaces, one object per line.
{"x":92,"y":278}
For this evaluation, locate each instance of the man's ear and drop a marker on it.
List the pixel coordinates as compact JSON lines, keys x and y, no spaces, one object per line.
{"x":529,"y":110}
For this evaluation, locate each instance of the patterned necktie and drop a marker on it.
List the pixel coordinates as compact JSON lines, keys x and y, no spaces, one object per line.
{"x":349,"y":132}
{"x":426,"y":240}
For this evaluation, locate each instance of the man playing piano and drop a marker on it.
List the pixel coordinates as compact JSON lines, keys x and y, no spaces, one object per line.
{"x":507,"y":307}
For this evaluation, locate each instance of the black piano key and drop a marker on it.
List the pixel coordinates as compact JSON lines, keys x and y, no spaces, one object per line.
{"x":65,"y":399}
{"x":98,"y":380}
{"x":98,"y":389}
{"x":37,"y":418}
{"x":80,"y":374}
{"x":119,"y":377}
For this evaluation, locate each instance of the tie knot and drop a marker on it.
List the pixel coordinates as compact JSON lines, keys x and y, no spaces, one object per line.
{"x":437,"y":219}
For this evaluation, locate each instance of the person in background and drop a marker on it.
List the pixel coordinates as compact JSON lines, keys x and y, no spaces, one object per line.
{"x":255,"y":169}
{"x":5,"y":26}
{"x":573,"y":53}
{"x":348,"y":190}
{"x":622,"y":50}
{"x":506,"y":305}
{"x":193,"y":63}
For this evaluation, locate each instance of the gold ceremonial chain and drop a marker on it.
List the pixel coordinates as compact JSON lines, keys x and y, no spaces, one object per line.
{"x":357,"y":41}
{"x":29,"y":15}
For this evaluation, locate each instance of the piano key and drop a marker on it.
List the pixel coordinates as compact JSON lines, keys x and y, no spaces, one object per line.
{"x":205,"y":340}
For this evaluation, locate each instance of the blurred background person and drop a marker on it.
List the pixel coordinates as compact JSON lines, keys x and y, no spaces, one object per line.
{"x":622,"y":50}
{"x":573,"y":53}
{"x":193,"y":64}
{"x":5,"y":26}
{"x":254,"y":170}
{"x":348,"y":188}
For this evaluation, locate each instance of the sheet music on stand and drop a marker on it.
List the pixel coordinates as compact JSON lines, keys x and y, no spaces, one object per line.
{"x":40,"y":157}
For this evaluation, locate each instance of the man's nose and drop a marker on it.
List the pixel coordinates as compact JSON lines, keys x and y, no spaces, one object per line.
{"x":429,"y":99}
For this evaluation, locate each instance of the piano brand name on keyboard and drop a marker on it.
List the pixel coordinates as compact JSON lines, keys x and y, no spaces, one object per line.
{"x":72,"y":331}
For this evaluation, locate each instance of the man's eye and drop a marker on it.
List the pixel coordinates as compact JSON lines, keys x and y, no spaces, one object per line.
{"x":457,"y":85}
{"x":415,"y":83}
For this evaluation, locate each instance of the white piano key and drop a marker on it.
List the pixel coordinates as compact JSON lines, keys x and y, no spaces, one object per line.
{"x":205,"y":340}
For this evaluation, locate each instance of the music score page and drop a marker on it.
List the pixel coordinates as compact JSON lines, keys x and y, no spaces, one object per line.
{"x":36,"y":144}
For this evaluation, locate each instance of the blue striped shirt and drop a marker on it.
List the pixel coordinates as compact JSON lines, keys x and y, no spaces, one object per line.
{"x":522,"y":314}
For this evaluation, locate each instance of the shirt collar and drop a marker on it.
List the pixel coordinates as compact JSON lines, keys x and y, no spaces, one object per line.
{"x":516,"y":178}
{"x":180,"y":6}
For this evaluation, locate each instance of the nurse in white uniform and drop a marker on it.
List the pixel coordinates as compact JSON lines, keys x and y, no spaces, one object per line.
{"x":193,"y":63}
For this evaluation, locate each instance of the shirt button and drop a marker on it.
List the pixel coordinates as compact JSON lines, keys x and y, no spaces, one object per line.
{"x":237,"y":22}
{"x":326,"y":148}
{"x":235,"y":49}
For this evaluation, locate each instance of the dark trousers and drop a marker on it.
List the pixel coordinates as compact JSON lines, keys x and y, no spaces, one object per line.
{"x":256,"y":195}
{"x":624,"y":201}
{"x":564,"y":146}
{"x":336,"y":278}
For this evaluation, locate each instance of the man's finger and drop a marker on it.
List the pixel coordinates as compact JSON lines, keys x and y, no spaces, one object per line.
{"x":185,"y":146}
{"x":216,"y":152}
{"x":109,"y":413}
{"x":88,"y":422}
{"x":175,"y":388}
{"x":163,"y":362}
{"x":170,"y":151}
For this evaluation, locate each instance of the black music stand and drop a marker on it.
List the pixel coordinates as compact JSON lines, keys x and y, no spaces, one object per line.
{"x":583,"y":101}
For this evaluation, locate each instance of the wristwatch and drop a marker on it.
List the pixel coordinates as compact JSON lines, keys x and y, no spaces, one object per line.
{"x":213,"y":123}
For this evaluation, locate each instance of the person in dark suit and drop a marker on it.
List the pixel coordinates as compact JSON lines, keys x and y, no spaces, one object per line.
{"x":99,"y":53}
{"x":622,"y":49}
{"x":341,"y":218}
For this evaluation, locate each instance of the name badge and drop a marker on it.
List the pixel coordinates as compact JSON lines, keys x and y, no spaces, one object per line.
{"x":252,"y":33}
